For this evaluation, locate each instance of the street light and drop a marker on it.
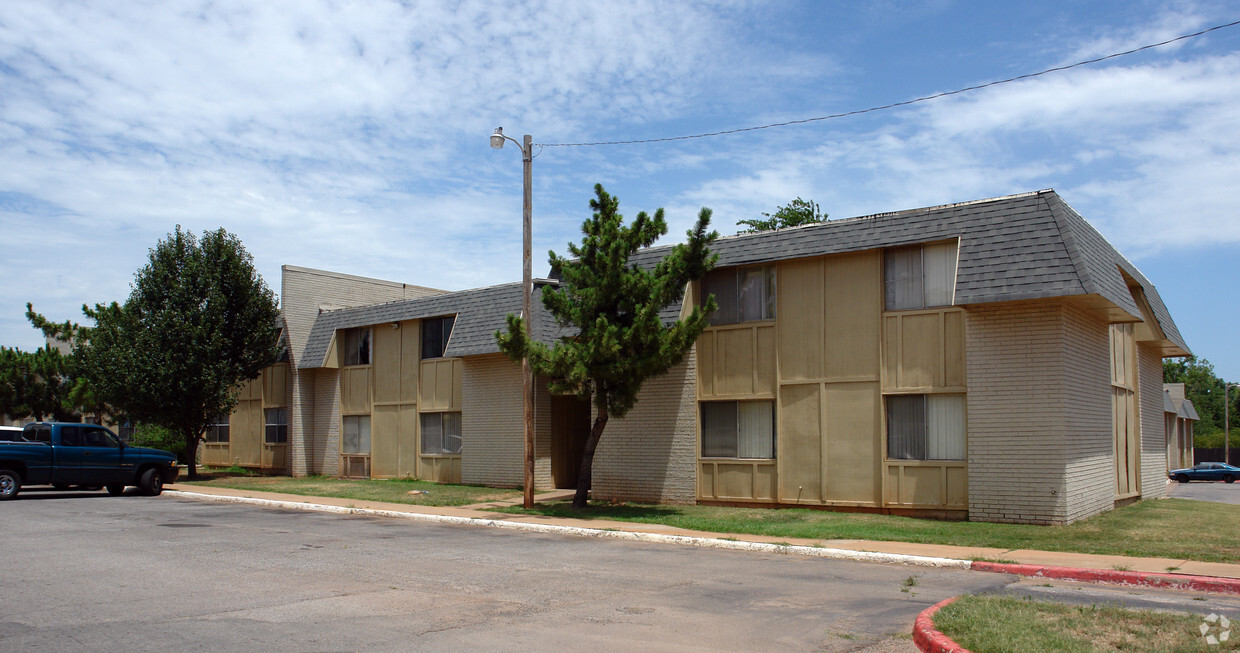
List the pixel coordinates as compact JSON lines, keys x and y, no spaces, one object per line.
{"x":527,"y":288}
{"x":1227,"y":420}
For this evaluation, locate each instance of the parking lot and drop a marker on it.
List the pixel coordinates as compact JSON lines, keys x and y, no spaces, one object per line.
{"x":1215,"y":491}
{"x":89,"y":572}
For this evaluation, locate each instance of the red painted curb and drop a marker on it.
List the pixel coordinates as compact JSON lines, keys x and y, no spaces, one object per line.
{"x":928,"y":638}
{"x":1141,"y":578}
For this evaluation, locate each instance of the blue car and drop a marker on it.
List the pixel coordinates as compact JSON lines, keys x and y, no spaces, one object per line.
{"x":1206,"y":472}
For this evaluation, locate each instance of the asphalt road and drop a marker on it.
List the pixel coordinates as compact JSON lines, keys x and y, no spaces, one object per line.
{"x":91,"y":572}
{"x":1216,"y":491}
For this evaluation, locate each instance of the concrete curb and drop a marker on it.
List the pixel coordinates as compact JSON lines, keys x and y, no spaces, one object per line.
{"x":705,"y":542}
{"x":1115,"y":576}
{"x":928,"y":638}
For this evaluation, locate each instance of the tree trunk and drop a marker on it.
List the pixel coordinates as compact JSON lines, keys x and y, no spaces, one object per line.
{"x":191,"y":456}
{"x":582,"y":497}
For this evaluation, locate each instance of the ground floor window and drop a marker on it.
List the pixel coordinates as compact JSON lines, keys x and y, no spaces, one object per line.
{"x":441,"y":433}
{"x":926,"y":427}
{"x":217,"y":431}
{"x":356,"y":436}
{"x":277,"y":425}
{"x":738,"y":429}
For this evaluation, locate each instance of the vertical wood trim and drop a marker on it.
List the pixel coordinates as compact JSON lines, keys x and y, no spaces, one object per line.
{"x":823,"y":436}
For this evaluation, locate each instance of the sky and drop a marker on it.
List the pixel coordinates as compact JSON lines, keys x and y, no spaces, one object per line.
{"x":353,"y":136}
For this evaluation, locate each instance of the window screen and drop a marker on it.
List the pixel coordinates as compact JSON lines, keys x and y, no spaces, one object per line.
{"x":738,"y":429}
{"x":441,"y":433}
{"x":355,"y":438}
{"x":742,"y":294}
{"x":435,"y":335}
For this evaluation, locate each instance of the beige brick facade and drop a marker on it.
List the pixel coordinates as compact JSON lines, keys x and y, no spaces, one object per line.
{"x":492,"y":430}
{"x":651,"y":454}
{"x":1153,"y":428}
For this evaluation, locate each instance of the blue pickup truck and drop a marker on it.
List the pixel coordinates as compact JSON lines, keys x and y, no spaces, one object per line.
{"x":86,"y":455}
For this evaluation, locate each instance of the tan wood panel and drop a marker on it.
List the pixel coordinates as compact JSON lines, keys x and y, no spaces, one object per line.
{"x":275,"y":385}
{"x":216,"y":454}
{"x":953,"y":349}
{"x":440,"y":384}
{"x":252,"y":389}
{"x":410,"y":355}
{"x":765,"y":380}
{"x":853,"y":296}
{"x":921,"y":340}
{"x":800,"y":444}
{"x":851,"y":446}
{"x":355,"y":390}
{"x":706,"y":355}
{"x":245,"y":433}
{"x":441,"y":469}
{"x":800,"y":324}
{"x":275,"y":457}
{"x":385,"y":361}
{"x":385,"y":442}
{"x":409,"y":446}
{"x":735,"y":362}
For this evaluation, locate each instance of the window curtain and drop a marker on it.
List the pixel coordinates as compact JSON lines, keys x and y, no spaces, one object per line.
{"x":906,"y":427}
{"x":719,"y":429}
{"x":939,"y":262}
{"x":757,"y":297}
{"x":452,"y":433}
{"x":721,"y":284}
{"x":356,"y":437}
{"x":945,"y":427}
{"x":902,"y":279}
{"x":432,"y":433}
{"x":755,"y":422}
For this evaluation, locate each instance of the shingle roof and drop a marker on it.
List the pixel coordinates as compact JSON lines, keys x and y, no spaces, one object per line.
{"x":1026,"y":246}
{"x":479,"y":314}
{"x":1187,"y":410}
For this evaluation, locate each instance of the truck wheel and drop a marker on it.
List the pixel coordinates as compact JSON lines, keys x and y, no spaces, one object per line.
{"x":116,"y":489}
{"x":152,"y":483}
{"x":10,"y":484}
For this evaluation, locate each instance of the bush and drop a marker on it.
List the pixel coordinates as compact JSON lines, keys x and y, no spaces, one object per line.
{"x":158,"y":437}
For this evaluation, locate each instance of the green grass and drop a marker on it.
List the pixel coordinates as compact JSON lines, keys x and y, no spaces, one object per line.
{"x":993,"y":623}
{"x":1164,"y":528}
{"x":391,"y":491}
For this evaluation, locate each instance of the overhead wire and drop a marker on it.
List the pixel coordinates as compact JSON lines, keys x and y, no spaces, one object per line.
{"x":893,"y":105}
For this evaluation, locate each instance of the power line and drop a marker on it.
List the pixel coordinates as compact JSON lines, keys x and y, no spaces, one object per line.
{"x":893,"y":105}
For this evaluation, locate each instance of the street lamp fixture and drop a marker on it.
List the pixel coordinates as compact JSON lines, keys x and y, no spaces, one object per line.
{"x":527,"y":288}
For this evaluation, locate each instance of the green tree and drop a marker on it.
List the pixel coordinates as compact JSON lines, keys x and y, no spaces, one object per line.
{"x":615,"y":306}
{"x":793,"y":214}
{"x":1204,"y":388}
{"x":36,"y":384}
{"x":198,"y":323}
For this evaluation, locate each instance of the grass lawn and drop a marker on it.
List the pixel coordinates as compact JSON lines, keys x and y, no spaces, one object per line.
{"x":391,"y":491}
{"x":993,"y":623}
{"x":1162,"y":528}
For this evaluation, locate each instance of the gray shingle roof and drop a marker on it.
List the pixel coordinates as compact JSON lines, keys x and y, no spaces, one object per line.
{"x":479,"y":314}
{"x":1026,"y":246}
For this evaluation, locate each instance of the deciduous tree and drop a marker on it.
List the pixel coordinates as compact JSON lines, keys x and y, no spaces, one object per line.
{"x":793,"y":214}
{"x":614,"y":305}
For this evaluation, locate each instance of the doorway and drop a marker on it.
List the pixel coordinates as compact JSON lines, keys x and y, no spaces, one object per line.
{"x":570,"y":428}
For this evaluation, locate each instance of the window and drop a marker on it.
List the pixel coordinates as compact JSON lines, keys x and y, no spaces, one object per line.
{"x":441,"y":433}
{"x":71,"y":436}
{"x":357,"y":347}
{"x":356,"y":437}
{"x":97,"y":436}
{"x":920,"y":276}
{"x":738,"y":429}
{"x":435,"y":334}
{"x":218,"y":431}
{"x":277,"y":425}
{"x":743,"y":294}
{"x":126,"y":431}
{"x":925,"y":427}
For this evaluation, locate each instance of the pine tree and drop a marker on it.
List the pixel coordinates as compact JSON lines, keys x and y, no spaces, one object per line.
{"x":615,"y":306}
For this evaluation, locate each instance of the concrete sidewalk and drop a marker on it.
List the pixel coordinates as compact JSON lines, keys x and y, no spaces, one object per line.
{"x":484,"y":512}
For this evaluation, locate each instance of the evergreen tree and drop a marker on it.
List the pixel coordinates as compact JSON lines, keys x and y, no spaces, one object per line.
{"x":615,"y":305}
{"x":795,"y":213}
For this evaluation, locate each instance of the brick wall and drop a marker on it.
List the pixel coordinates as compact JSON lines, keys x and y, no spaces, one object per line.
{"x":1153,"y":430}
{"x":1016,"y":426}
{"x":1090,"y":473}
{"x":492,"y":428}
{"x":651,"y":454}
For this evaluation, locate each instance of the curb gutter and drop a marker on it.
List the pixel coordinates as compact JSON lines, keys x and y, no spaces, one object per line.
{"x":1117,"y":577}
{"x":705,"y":542}
{"x":928,"y":638}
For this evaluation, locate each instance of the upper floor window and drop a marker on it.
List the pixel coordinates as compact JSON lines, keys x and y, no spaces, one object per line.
{"x":435,"y":334}
{"x":743,"y":294}
{"x":357,"y":346}
{"x":920,"y":276}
